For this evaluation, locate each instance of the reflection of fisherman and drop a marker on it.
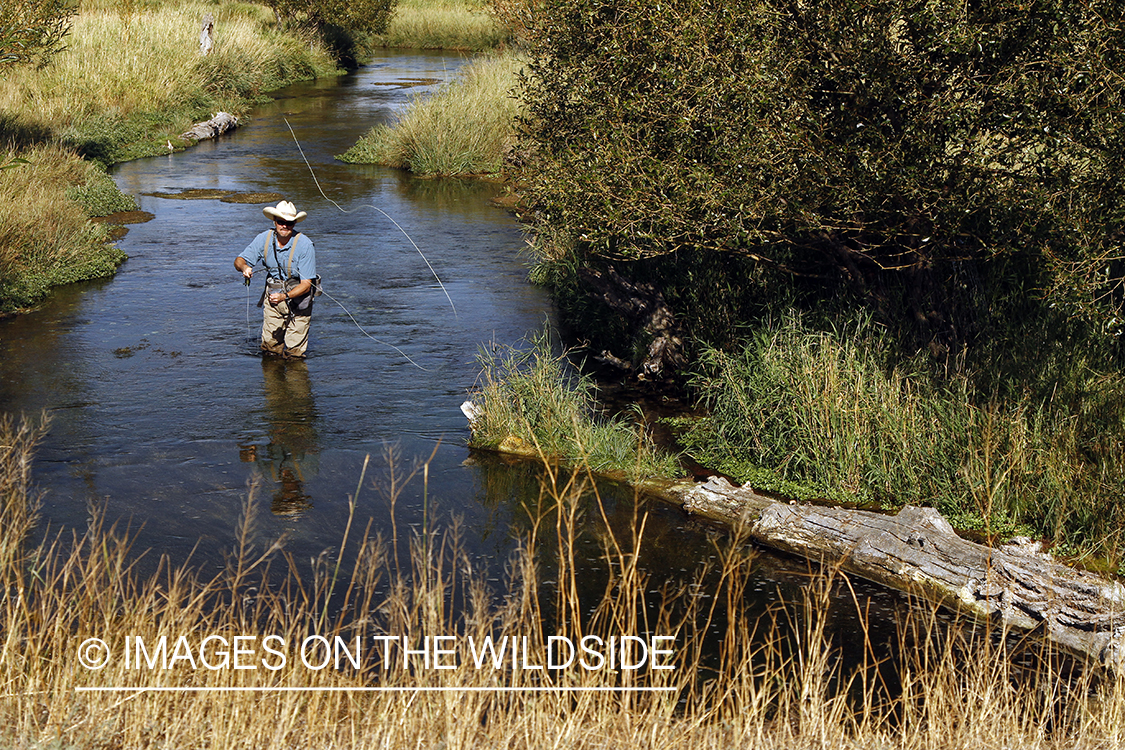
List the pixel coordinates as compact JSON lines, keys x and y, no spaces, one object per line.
{"x":290,"y":261}
{"x":291,"y":453}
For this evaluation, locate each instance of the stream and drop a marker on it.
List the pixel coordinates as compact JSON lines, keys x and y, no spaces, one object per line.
{"x":164,"y":414}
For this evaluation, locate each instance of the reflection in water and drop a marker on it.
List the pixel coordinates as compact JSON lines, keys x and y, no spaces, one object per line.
{"x":291,"y":455}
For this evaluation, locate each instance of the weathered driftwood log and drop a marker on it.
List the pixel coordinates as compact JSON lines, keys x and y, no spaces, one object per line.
{"x":216,"y":126}
{"x":917,"y":551}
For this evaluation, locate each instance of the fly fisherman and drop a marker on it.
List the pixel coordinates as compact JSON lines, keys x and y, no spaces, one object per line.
{"x":290,"y":261}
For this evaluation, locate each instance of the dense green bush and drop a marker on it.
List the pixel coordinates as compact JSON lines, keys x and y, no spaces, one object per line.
{"x":926,"y":157}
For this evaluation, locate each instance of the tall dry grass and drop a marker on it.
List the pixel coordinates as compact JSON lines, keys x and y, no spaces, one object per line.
{"x":45,"y":236}
{"x":758,"y":683}
{"x":444,"y":24}
{"x":464,"y":128}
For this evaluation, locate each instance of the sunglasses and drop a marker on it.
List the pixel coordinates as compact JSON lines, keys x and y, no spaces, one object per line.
{"x":284,"y":223}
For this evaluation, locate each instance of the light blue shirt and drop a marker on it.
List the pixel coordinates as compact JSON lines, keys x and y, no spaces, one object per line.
{"x":264,"y":249}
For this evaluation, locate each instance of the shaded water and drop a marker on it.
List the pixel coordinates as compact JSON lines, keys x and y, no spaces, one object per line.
{"x":164,"y":413}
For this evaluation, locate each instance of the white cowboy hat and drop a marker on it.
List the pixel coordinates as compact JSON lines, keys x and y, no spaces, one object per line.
{"x":285,"y":211}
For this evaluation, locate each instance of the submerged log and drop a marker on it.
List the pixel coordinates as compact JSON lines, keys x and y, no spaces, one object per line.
{"x":917,"y":551}
{"x":213,"y":128}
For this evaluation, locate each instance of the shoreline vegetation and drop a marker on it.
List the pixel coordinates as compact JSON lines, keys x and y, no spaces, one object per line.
{"x":767,"y":681}
{"x":127,"y":82}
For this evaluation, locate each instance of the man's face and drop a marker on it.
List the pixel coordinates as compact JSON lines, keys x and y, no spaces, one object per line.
{"x":284,"y":230}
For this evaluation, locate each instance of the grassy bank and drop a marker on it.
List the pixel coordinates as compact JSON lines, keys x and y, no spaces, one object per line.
{"x":465,"y":128}
{"x":444,"y":24}
{"x":130,"y":81}
{"x":531,"y":400}
{"x":835,"y":414}
{"x":46,"y":238}
{"x":756,"y":682}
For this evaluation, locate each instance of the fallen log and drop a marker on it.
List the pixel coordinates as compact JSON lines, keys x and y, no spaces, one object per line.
{"x":213,"y":128}
{"x":918,"y":552}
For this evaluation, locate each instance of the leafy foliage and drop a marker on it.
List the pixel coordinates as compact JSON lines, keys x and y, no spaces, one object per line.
{"x":914,"y":152}
{"x":33,"y":30}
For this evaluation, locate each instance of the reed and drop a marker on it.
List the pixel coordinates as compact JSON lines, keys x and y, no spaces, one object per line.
{"x":740,"y":680}
{"x":464,"y":128}
{"x":465,"y":25}
{"x":532,"y":400}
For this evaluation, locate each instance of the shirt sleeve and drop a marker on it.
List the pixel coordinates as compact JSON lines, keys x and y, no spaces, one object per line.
{"x":305,"y":261}
{"x":253,"y":252}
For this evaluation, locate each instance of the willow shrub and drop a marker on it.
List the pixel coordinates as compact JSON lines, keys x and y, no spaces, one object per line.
{"x":465,"y":128}
{"x":842,"y":146}
{"x":830,"y":414}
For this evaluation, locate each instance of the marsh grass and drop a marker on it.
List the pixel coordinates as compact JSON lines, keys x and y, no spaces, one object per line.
{"x":465,"y":25}
{"x":815,"y":413}
{"x":464,"y":128}
{"x":772,"y":682}
{"x":532,"y":400}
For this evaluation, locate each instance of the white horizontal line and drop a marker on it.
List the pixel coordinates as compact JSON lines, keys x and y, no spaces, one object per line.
{"x":141,"y":689}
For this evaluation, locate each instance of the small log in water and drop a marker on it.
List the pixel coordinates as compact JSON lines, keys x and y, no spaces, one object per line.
{"x":216,"y":126}
{"x":917,"y":551}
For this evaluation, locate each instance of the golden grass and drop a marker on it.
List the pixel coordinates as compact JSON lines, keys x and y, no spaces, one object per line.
{"x":464,"y":128}
{"x":771,"y":682}
{"x":444,"y":24}
{"x":149,"y":61}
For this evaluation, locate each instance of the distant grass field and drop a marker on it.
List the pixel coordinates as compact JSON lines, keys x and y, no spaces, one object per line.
{"x":444,"y":24}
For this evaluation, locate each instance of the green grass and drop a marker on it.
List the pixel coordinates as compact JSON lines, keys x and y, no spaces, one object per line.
{"x":46,"y":238}
{"x":465,"y":128}
{"x":533,"y":401}
{"x":832,"y":414}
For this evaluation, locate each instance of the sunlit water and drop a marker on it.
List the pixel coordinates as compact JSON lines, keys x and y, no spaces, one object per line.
{"x":164,"y":414}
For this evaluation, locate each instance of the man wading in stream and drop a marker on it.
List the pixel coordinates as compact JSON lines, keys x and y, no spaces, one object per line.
{"x":290,"y":261}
